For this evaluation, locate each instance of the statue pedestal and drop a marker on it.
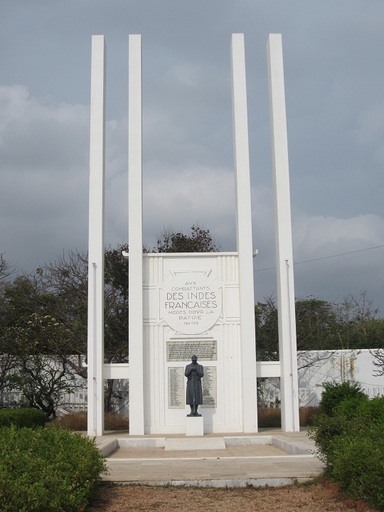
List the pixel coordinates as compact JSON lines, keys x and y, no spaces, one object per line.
{"x":194,"y":426}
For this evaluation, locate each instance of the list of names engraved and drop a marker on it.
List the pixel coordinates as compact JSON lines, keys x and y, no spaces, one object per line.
{"x":184,"y":350}
{"x":176,"y":388}
{"x":209,"y":386}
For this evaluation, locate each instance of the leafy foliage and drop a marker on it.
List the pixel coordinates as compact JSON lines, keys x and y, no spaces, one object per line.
{"x":321,"y":325}
{"x":42,"y":372}
{"x":44,"y":317}
{"x":267,"y":341}
{"x":358,"y":463}
{"x":47,"y":469}
{"x":200,"y":240}
{"x":5,"y":269}
{"x":337,"y":403}
{"x":316,"y":324}
{"x":23,"y":417}
{"x":351,"y":444}
{"x":334,"y":394}
{"x":378,"y":362}
{"x":360,"y":326}
{"x":7,"y":367}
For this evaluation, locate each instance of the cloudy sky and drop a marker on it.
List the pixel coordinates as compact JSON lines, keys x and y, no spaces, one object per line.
{"x":335,"y":112}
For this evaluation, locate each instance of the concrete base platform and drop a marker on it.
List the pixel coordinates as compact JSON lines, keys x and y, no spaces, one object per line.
{"x":272,"y":459}
{"x":195,"y":443}
{"x":194,"y":426}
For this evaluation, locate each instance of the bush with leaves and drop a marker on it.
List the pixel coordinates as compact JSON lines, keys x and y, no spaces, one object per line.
{"x":47,"y":469}
{"x":324,"y":431}
{"x":23,"y":417}
{"x":351,"y":444}
{"x":337,"y":407}
{"x":358,"y":455}
{"x":334,"y":393}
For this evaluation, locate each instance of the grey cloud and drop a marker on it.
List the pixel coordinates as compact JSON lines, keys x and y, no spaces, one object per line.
{"x":334,"y":84}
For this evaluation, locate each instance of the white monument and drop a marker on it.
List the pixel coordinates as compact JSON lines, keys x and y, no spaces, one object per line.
{"x":192,"y":303}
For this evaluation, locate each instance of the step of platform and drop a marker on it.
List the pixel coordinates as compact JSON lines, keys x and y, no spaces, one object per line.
{"x":195,"y":443}
{"x":215,"y":461}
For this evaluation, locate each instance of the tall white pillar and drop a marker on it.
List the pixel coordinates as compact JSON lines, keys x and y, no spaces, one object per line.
{"x":244,"y":235}
{"x":283,"y":234}
{"x":135,"y":238}
{"x":95,"y":358}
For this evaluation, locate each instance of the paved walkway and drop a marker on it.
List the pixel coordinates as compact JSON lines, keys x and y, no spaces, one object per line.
{"x":269,"y":458}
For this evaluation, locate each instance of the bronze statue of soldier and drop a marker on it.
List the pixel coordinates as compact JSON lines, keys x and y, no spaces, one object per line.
{"x":194,"y":397}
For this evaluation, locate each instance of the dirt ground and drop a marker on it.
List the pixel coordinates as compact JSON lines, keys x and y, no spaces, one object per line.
{"x":315,"y":497}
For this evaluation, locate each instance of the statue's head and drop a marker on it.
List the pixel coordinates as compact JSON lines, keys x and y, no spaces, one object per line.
{"x":194,"y":359}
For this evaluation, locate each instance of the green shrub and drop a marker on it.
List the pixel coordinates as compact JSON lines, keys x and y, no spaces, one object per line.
{"x":351,"y":407}
{"x":335,"y":393}
{"x":47,"y":470}
{"x":23,"y":417}
{"x":358,"y":463}
{"x":324,"y":430}
{"x":351,"y":443}
{"x":372,"y":410}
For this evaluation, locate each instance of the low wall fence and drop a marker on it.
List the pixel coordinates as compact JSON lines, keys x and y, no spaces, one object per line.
{"x":310,"y":397}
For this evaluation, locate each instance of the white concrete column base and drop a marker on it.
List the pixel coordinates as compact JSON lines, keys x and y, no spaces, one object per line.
{"x":194,"y":426}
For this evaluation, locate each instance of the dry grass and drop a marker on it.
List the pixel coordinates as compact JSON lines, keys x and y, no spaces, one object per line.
{"x":78,"y":421}
{"x":307,"y":414}
{"x":316,"y":497}
{"x":270,"y":417}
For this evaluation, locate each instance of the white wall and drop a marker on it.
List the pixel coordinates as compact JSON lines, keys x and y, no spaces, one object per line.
{"x":317,"y":367}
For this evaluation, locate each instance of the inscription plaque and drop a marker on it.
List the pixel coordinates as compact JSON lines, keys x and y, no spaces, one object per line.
{"x":190,"y":304}
{"x":209,"y":383}
{"x":176,"y":388}
{"x":206,"y":350}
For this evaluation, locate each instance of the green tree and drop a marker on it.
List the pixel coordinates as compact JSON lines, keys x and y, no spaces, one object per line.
{"x":317,"y":324}
{"x":30,"y":295}
{"x":7,"y":361}
{"x":116,"y":305}
{"x":267,"y":339}
{"x":321,"y":325}
{"x":378,"y":362}
{"x":200,"y":240}
{"x":59,"y":291}
{"x":67,"y":278}
{"x":19,"y":300}
{"x":41,"y":348}
{"x":360,"y":327}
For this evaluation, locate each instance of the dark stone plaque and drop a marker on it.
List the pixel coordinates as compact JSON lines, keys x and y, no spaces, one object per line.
{"x":206,"y":350}
{"x":209,"y":382}
{"x":176,"y":388}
